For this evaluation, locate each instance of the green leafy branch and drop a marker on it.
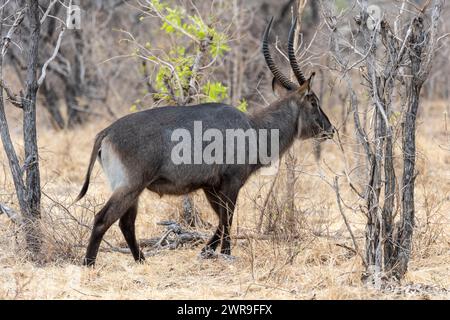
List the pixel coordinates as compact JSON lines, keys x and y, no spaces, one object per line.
{"x":179,"y":71}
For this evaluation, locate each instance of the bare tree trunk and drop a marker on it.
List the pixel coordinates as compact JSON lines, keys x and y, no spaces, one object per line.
{"x":291,"y":178}
{"x":315,"y":14}
{"x":74,"y":84}
{"x":190,"y":214}
{"x":51,"y":104}
{"x":8,"y":146}
{"x":32,"y":181}
{"x":28,"y":191}
{"x":290,"y":158}
{"x":405,"y":232}
{"x":372,"y":232}
{"x":387,"y":87}
{"x":236,"y":70}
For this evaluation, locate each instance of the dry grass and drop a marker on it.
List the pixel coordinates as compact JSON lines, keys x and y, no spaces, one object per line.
{"x":311,"y":267}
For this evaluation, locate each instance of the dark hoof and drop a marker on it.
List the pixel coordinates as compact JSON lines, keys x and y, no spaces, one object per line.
{"x":88,"y":262}
{"x":226,"y":252}
{"x":208,"y":253}
{"x":227,"y":257}
{"x":141,"y":259}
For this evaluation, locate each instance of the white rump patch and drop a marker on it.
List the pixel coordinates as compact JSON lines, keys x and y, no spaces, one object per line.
{"x":112,"y":166}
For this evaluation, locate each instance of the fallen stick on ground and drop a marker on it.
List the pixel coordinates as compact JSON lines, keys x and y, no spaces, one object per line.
{"x":14,"y":216}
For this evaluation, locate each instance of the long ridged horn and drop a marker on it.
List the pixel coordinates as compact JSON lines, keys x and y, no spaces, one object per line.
{"x":291,"y":53}
{"x":288,"y":84}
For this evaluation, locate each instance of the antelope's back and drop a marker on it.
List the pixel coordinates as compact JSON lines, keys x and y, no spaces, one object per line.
{"x":146,"y":140}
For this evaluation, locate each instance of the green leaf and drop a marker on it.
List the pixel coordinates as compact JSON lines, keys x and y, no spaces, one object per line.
{"x":215,"y":91}
{"x":158,"y":5}
{"x":242,"y":106}
{"x":219,"y":44}
{"x":178,"y":22}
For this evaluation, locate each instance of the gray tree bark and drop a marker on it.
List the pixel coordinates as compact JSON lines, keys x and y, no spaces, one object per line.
{"x":32,"y":181}
{"x":28,"y":190}
{"x":402,"y":252}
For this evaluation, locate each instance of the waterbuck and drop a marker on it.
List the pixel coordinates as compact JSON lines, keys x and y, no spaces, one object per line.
{"x":136,"y":153}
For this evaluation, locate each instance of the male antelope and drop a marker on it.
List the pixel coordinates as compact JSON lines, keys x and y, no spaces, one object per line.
{"x":135,"y":153}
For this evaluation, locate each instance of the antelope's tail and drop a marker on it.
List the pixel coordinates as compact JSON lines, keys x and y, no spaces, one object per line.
{"x":97,"y":144}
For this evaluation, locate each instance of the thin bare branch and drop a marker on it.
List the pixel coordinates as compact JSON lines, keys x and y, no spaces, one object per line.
{"x":53,"y":56}
{"x":8,"y":38}
{"x":341,"y":210}
{"x":11,"y":97}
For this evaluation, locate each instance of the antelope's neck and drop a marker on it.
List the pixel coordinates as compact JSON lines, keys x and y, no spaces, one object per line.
{"x":281,"y":115}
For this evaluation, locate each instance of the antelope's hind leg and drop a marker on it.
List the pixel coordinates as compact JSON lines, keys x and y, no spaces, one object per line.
{"x":117,"y":206}
{"x":127,"y":226}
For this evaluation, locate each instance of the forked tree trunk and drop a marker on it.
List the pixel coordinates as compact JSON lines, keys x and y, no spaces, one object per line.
{"x":389,"y":243}
{"x":28,"y":191}
{"x":389,"y":249}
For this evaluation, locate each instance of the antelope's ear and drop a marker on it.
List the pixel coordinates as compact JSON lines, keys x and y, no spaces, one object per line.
{"x":278,"y":89}
{"x":306,"y":87}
